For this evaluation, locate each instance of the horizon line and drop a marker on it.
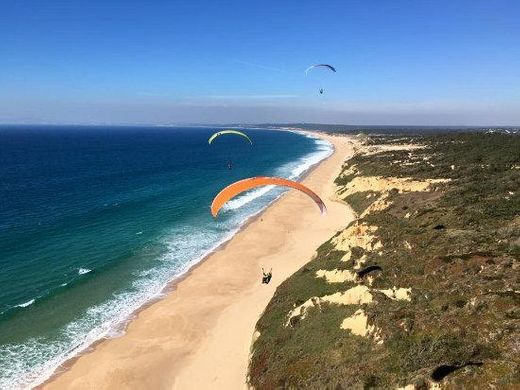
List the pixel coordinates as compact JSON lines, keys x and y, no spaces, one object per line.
{"x":245,"y":124}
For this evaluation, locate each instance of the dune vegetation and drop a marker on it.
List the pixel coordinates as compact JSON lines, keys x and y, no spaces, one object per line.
{"x":423,"y":289}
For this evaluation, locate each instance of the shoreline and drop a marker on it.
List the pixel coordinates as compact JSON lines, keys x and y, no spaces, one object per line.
{"x":73,"y":372}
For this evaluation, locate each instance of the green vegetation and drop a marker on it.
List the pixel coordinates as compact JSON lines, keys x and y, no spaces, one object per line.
{"x":457,"y":247}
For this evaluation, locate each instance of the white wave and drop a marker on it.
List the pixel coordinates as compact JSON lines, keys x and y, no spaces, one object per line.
{"x":304,"y":164}
{"x":83,"y":271}
{"x":25,"y":304}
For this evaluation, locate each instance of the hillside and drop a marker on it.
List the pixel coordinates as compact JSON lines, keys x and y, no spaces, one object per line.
{"x":423,"y":289}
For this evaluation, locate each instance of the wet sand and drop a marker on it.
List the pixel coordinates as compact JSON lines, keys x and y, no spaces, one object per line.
{"x":199,"y":335}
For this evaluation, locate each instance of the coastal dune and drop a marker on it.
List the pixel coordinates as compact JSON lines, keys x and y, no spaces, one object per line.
{"x":200,"y":334}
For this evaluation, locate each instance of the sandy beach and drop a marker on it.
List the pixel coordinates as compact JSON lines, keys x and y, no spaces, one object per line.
{"x":200,"y":334}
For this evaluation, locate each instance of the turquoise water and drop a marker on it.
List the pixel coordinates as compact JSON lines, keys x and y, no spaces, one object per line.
{"x":95,"y":221}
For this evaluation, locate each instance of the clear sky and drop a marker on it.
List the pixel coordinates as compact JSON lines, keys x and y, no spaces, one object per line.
{"x":443,"y":62}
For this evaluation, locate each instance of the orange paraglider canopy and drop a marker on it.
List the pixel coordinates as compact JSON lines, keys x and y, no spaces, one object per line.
{"x":240,"y":186}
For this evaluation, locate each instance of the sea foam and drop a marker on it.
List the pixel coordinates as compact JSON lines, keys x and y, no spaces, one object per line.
{"x":25,"y":304}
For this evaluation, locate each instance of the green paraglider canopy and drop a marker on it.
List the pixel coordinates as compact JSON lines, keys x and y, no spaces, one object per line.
{"x":236,"y":132}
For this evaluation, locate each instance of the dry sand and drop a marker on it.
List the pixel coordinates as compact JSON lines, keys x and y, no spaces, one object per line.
{"x":199,"y":335}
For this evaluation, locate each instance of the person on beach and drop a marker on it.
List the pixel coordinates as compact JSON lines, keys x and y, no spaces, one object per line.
{"x":266,"y":278}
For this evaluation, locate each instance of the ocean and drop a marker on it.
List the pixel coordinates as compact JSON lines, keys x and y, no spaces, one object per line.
{"x":96,"y":221}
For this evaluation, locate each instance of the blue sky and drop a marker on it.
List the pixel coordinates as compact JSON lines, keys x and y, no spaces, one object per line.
{"x":399,"y":62}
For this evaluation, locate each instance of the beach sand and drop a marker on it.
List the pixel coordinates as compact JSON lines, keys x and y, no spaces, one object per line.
{"x":199,"y":335}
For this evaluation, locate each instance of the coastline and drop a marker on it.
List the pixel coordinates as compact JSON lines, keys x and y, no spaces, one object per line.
{"x":161,"y":336}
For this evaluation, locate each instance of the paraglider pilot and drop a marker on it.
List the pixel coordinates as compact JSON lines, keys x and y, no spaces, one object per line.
{"x":266,"y":277}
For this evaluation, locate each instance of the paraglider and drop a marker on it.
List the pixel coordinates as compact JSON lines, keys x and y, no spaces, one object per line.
{"x":229,"y":131}
{"x":219,"y":133}
{"x":326,"y":66}
{"x":246,"y":184}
